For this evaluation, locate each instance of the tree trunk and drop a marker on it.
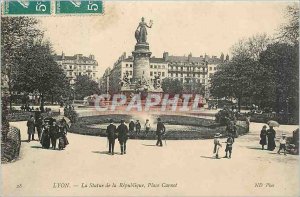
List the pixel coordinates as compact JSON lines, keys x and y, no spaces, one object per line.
{"x":52,"y":99}
{"x":42,"y":103}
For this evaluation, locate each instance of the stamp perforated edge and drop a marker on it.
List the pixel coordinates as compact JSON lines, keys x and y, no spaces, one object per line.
{"x":52,"y":11}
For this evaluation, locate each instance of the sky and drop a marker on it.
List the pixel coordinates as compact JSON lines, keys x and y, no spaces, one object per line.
{"x":179,"y":28}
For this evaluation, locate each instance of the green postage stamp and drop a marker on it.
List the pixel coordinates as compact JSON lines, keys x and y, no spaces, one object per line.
{"x":48,"y":7}
{"x":79,"y":6}
{"x":27,"y":7}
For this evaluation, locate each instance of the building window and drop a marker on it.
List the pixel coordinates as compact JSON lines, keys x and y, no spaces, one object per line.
{"x":159,"y":66}
{"x":94,"y":75}
{"x":75,"y":67}
{"x":215,"y":68}
{"x":151,"y":73}
{"x":210,"y":75}
{"x":181,"y":74}
{"x":203,"y":80}
{"x":155,"y":66}
{"x":80,"y":67}
{"x":163,"y":74}
{"x":151,"y":66}
{"x":70,"y":66}
{"x":94,"y":67}
{"x":70,"y":73}
{"x":79,"y":73}
{"x":65,"y":67}
{"x":159,"y":73}
{"x":126,"y":65}
{"x":130,"y":65}
{"x":89,"y":67}
{"x":176,"y":74}
{"x":154,"y":73}
{"x":163,"y":66}
{"x":130,"y":72}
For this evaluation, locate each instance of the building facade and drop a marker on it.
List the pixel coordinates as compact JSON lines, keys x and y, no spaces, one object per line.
{"x":187,"y":69}
{"x":78,"y":65}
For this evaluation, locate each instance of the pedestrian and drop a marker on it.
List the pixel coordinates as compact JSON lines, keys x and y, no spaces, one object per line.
{"x":111,"y":131}
{"x":271,"y":135}
{"x":45,"y":139}
{"x":122,"y":131}
{"x":137,"y":127}
{"x":217,"y":144}
{"x":39,"y":125}
{"x":263,"y":137}
{"x":54,"y":129}
{"x":248,"y":118}
{"x":160,"y":131}
{"x":147,"y":126}
{"x":30,"y":128}
{"x":228,"y":148}
{"x":61,"y":136}
{"x":282,"y":144}
{"x":131,"y":126}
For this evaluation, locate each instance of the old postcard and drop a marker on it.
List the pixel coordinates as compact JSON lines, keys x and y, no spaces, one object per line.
{"x":149,"y":98}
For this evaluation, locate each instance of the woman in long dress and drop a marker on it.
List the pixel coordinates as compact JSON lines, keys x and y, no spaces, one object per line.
{"x":263,"y":137}
{"x":45,"y":139}
{"x":271,"y":138}
{"x":141,"y":31}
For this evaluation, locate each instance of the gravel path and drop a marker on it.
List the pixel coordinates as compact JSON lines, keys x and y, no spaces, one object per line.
{"x":187,"y":165}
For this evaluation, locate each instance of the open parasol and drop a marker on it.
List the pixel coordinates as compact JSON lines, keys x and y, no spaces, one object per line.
{"x":60,"y":117}
{"x":273,"y":123}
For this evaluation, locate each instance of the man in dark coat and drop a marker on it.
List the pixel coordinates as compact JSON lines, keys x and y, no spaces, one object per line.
{"x":30,"y":128}
{"x":111,"y":136}
{"x":131,"y":127}
{"x":122,"y":131}
{"x":54,"y":129}
{"x":138,"y":127}
{"x":160,"y":131}
{"x":39,"y":125}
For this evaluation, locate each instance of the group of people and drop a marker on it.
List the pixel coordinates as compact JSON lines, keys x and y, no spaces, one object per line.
{"x":267,"y":137}
{"x":49,"y":132}
{"x":229,"y":143}
{"x":122,"y":133}
{"x":135,"y":127}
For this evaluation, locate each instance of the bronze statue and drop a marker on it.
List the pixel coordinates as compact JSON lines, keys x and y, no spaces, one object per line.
{"x":141,"y":31}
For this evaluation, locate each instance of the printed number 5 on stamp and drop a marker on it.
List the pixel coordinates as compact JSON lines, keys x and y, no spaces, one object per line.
{"x":79,"y":7}
{"x":27,"y":7}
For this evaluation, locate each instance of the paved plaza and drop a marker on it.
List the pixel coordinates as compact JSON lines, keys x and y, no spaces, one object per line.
{"x":187,"y":165}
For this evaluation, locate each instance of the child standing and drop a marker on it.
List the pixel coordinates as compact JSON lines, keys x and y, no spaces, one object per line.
{"x":217,"y":144}
{"x":282,"y":142}
{"x":229,"y":143}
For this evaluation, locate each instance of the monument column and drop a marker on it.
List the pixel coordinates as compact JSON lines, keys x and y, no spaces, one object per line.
{"x":141,"y":62}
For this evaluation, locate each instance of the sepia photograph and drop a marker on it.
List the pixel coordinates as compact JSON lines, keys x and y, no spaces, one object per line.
{"x":149,"y":98}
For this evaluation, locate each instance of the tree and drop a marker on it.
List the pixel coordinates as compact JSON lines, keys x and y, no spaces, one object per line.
{"x":38,"y":72}
{"x":193,"y":87}
{"x":289,"y":32}
{"x":282,"y":62}
{"x":251,"y":47}
{"x":84,"y":86}
{"x":17,"y":34}
{"x":172,"y":86}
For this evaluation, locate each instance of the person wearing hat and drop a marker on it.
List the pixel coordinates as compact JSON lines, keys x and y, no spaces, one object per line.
{"x":31,"y":128}
{"x":263,"y":137}
{"x":282,"y":145}
{"x":160,"y":131}
{"x":229,"y":143}
{"x":217,"y":144}
{"x":111,"y":136}
{"x":122,"y":131}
